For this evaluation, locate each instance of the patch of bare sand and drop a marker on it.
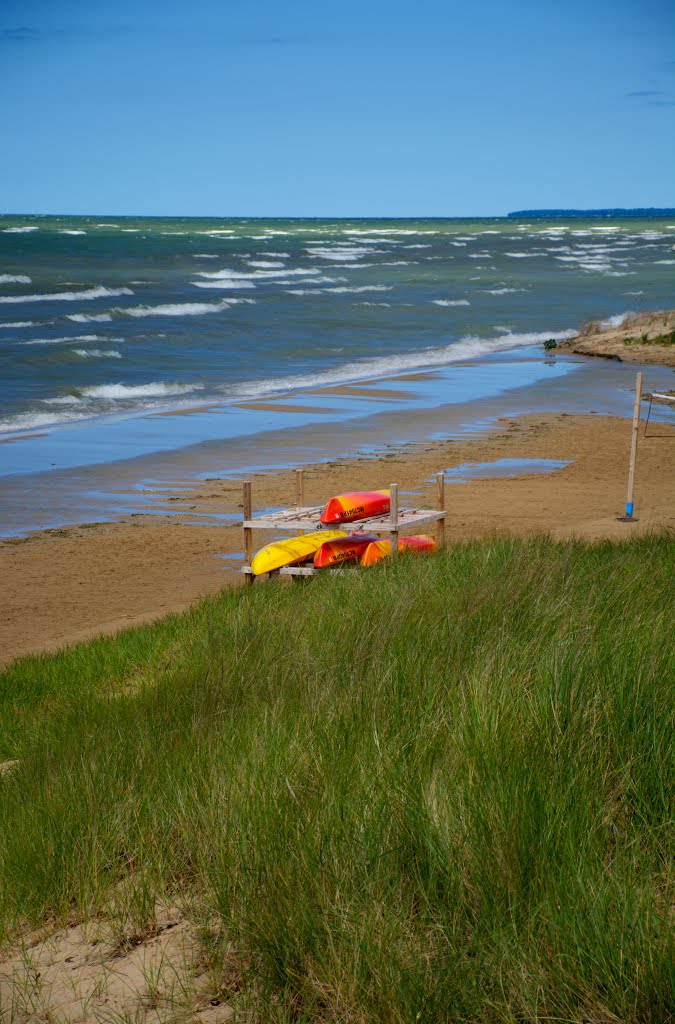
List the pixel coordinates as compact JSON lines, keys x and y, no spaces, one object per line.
{"x":271,"y":406}
{"x":94,"y":974}
{"x":362,"y":391}
{"x":74,"y":583}
{"x":645,"y":338}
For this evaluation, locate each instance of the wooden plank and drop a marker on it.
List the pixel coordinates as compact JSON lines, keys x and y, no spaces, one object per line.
{"x":299,"y":570}
{"x":393,"y":515}
{"x":440,"y":501}
{"x":407,"y":519}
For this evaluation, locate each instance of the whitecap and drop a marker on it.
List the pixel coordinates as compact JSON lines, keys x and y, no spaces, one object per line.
{"x":14,"y":279}
{"x":502,"y":291}
{"x":18,"y":231}
{"x":257,"y":275}
{"x":522,"y":255}
{"x":265,"y":264}
{"x":207,"y":256}
{"x":66,"y":231}
{"x":224,"y":284}
{"x":117,"y":392}
{"x":345,"y":253}
{"x":177,"y":309}
{"x":341,"y":290}
{"x":83,"y":318}
{"x":89,"y":293}
{"x":22,"y":323}
{"x":97,"y":353}
{"x":451,"y":302}
{"x":664,"y":263}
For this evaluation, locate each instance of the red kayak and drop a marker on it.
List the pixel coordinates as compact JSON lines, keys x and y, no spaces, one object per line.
{"x":343,"y":549}
{"x":380,"y":549}
{"x":354,"y":505}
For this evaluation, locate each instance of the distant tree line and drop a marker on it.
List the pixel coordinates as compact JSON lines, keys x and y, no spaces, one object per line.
{"x":642,"y":211}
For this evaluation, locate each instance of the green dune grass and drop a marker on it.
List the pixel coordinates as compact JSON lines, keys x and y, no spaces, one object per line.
{"x":437,"y":790}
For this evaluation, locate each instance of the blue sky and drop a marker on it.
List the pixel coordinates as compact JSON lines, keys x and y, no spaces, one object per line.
{"x":370,"y":108}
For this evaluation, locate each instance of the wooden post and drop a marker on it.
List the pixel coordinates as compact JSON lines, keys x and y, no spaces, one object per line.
{"x":299,"y":488}
{"x":300,"y":492}
{"x":248,"y":532}
{"x":440,"y":504}
{"x":393,"y":513}
{"x":633,"y":449}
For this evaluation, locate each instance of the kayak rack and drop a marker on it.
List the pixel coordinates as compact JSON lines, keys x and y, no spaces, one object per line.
{"x":302,"y":518}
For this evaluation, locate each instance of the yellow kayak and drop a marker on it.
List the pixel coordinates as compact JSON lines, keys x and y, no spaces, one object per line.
{"x":291,"y":551}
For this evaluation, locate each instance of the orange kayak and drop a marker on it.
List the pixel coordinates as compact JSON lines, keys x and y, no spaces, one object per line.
{"x":380,"y":549}
{"x":354,"y":505}
{"x":343,"y":549}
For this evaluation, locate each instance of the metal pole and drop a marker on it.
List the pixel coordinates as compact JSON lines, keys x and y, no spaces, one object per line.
{"x":248,"y":532}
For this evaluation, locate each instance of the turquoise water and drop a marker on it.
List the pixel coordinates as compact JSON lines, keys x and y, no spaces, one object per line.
{"x":114,"y":318}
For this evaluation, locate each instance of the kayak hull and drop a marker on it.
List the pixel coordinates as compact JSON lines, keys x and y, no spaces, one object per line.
{"x":292,"y":551}
{"x":355,"y":505}
{"x":421,"y":544}
{"x":344,"y":549}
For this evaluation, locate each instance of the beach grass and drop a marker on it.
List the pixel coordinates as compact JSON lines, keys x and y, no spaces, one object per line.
{"x":436,"y":790}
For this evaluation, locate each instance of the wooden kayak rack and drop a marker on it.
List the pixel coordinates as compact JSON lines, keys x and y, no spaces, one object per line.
{"x":302,"y":518}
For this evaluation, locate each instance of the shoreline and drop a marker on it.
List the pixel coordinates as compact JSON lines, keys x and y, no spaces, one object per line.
{"x":91,"y":474}
{"x":644,"y":338}
{"x":77,"y":582}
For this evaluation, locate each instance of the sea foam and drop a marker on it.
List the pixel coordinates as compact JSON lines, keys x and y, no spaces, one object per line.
{"x":89,"y":293}
{"x":177,"y":309}
{"x":83,"y":318}
{"x":14,"y":279}
{"x":156,"y":389}
{"x":468,"y":347}
{"x":97,"y":353}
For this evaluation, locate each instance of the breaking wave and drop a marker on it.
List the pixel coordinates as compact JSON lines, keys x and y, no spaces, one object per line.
{"x":468,"y":347}
{"x":88,"y":293}
{"x":156,"y":389}
{"x":97,"y":353}
{"x":177,"y":309}
{"x":84,"y":318}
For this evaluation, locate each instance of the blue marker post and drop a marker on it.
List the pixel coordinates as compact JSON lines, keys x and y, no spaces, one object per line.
{"x":629,"y":517}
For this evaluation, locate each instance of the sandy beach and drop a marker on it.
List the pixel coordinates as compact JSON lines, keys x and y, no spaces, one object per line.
{"x":646,"y":338}
{"x":65,"y":585}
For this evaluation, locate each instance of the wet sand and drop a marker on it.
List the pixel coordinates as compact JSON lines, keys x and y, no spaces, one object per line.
{"x":68,"y":584}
